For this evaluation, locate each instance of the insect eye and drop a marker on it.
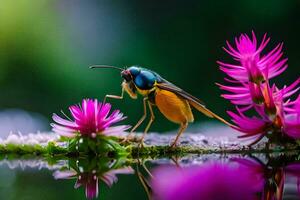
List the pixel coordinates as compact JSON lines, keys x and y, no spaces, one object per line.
{"x":126,"y":75}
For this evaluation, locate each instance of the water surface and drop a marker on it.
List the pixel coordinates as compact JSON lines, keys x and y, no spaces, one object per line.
{"x":214,"y":176}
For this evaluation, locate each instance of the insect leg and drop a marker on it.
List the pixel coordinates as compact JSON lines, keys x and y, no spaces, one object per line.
{"x":129,"y":136}
{"x":143,"y":117}
{"x":152,"y":117}
{"x":183,"y":126}
{"x":114,"y":96}
{"x":143,"y":180}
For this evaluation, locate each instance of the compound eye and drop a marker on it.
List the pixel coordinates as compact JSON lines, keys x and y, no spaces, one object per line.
{"x":126,"y":75}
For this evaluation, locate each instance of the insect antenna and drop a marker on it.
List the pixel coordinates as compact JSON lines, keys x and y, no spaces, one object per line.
{"x":105,"y":66}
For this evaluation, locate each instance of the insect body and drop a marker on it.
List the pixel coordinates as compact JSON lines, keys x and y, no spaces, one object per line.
{"x":174,"y":103}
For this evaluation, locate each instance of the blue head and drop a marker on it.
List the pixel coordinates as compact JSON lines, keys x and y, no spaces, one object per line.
{"x":142,"y":78}
{"x":135,"y":76}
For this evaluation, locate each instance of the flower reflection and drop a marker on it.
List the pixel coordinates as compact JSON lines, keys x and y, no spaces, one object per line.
{"x":89,"y":179}
{"x":238,"y":178}
{"x":293,"y":169}
{"x":210,"y":181}
{"x":272,"y":177}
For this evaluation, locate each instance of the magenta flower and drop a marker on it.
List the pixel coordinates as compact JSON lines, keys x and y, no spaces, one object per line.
{"x":275,"y":114}
{"x":251,"y":64}
{"x":249,"y":88}
{"x":90,"y":180}
{"x":200,"y":182}
{"x":292,"y":118}
{"x":90,"y":119}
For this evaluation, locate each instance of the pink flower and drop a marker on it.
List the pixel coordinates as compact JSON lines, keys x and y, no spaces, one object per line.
{"x":292,"y":119}
{"x":251,"y":64}
{"x":249,"y":125}
{"x":90,"y":180}
{"x":90,"y":119}
{"x":250,"y":89}
{"x":274,"y":115}
{"x":244,"y":94}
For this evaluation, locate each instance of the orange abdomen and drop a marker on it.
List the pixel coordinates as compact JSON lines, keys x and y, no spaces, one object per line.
{"x":173,"y":107}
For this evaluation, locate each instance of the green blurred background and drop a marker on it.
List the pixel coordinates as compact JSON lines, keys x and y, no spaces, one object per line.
{"x":46,"y":47}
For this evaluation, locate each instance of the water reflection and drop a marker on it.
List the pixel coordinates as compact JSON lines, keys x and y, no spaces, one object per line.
{"x":205,"y":177}
{"x":233,"y":178}
{"x":89,"y":172}
{"x":271,"y":177}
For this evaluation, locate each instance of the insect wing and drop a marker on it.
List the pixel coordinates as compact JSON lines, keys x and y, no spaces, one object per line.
{"x":195,"y":102}
{"x":173,"y":88}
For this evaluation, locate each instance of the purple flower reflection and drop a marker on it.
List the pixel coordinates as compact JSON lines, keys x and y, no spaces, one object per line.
{"x":294,"y":170}
{"x":272,"y":177}
{"x":210,"y":181}
{"x":90,"y":180}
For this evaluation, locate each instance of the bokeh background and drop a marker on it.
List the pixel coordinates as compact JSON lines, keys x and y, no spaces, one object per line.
{"x":46,"y":47}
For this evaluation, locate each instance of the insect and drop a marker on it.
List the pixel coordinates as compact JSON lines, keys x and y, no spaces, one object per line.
{"x":174,"y":103}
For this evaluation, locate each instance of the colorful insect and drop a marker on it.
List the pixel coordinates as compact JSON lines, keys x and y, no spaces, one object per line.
{"x":173,"y":102}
